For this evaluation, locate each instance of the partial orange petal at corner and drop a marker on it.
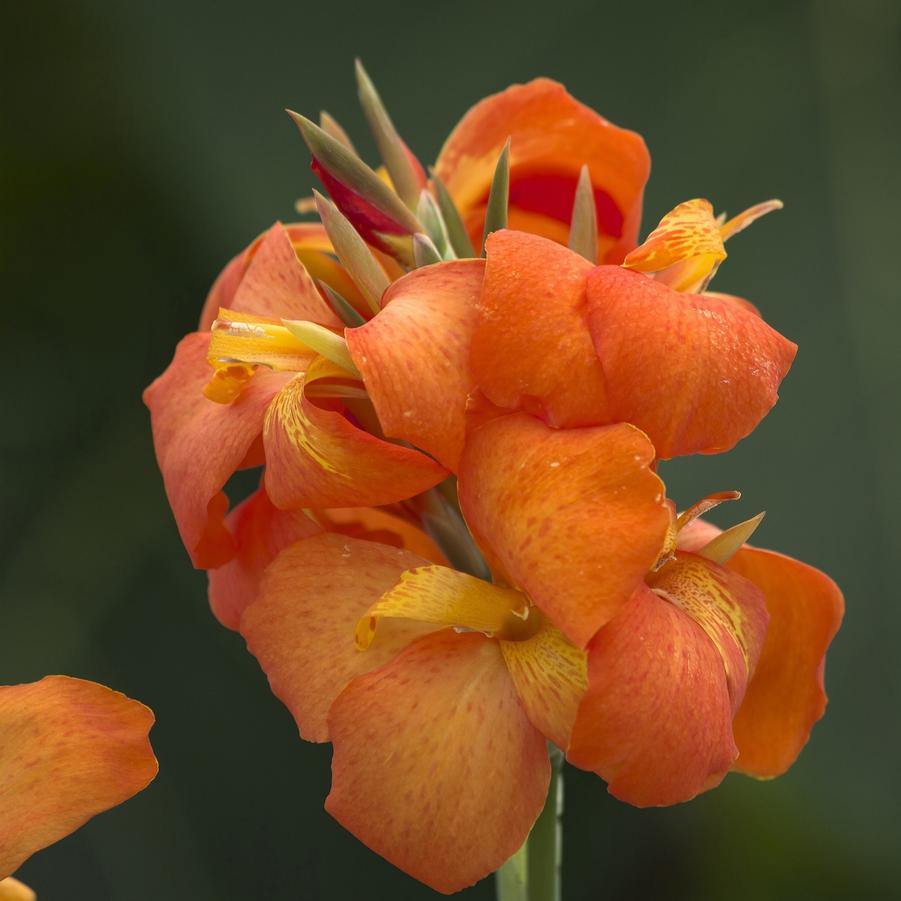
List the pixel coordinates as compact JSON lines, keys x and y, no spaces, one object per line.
{"x":69,"y":749}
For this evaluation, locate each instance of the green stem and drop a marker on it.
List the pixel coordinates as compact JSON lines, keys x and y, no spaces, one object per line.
{"x":533,"y":872}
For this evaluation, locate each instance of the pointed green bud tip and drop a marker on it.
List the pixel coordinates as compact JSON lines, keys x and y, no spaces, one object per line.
{"x":583,"y":230}
{"x":456,"y":230}
{"x":498,"y":196}
{"x":401,"y":169}
{"x":333,"y":128}
{"x":429,"y":214}
{"x":353,"y":174}
{"x":424,"y":251}
{"x":343,"y":308}
{"x":353,"y":252}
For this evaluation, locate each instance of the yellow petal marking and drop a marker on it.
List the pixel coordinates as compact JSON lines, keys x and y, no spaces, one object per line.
{"x":447,"y":597}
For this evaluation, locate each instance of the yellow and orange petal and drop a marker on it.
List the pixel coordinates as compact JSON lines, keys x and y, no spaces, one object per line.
{"x":656,"y":721}
{"x":695,"y":372}
{"x":69,"y":749}
{"x":317,"y":457}
{"x":729,"y":608}
{"x":436,"y":766}
{"x":414,"y":356}
{"x":444,"y":597}
{"x":576,"y":517}
{"x":552,"y":137}
{"x":531,"y":349}
{"x":551,"y":676}
{"x":199,"y":444}
{"x":301,"y":626}
{"x":786,"y":695}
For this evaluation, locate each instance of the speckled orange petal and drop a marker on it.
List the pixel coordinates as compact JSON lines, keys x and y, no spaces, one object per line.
{"x":317,"y":457}
{"x":69,"y":749}
{"x":13,"y":890}
{"x":728,"y":607}
{"x":375,"y":524}
{"x":313,"y":249}
{"x":260,"y":530}
{"x":531,"y":349}
{"x":436,"y":766}
{"x":552,"y":136}
{"x":301,"y":626}
{"x":655,"y":722}
{"x":550,"y":675}
{"x":786,"y":696}
{"x":414,"y":356}
{"x":277,"y":286}
{"x":575,"y":516}
{"x":199,"y":444}
{"x":696,"y":373}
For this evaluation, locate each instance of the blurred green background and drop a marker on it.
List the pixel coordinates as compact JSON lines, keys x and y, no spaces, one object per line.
{"x":144,"y":143}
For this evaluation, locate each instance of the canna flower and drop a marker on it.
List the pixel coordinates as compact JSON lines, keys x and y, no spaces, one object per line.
{"x":251,"y":391}
{"x":69,"y":749}
{"x":624,"y":635}
{"x":552,"y":136}
{"x":536,"y":327}
{"x":439,"y":690}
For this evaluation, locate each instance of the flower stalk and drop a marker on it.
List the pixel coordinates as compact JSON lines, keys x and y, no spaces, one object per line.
{"x":533,"y":872}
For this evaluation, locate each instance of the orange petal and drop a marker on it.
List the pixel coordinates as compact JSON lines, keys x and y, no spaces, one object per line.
{"x":729,"y":608}
{"x":531,"y":348}
{"x":260,"y":531}
{"x":69,"y":749}
{"x":575,"y":516}
{"x":199,"y":444}
{"x":311,"y":246}
{"x":695,"y":372}
{"x":414,"y":356}
{"x":786,"y":696}
{"x":550,"y":675}
{"x":301,"y":626}
{"x":656,"y":720}
{"x":277,"y":286}
{"x":435,"y":766}
{"x":13,"y":890}
{"x":374,"y":524}
{"x":552,"y":136}
{"x":317,"y":457}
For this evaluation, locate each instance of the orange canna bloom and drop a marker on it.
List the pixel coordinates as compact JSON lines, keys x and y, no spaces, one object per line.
{"x":69,"y":749}
{"x":536,"y":327}
{"x":250,"y":391}
{"x":434,"y":685}
{"x":552,"y":136}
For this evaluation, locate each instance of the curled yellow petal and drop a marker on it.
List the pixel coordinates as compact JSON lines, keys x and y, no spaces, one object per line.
{"x":442,"y":596}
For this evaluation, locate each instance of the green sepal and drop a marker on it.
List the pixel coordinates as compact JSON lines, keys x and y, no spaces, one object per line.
{"x":424,"y":251}
{"x":353,"y":252}
{"x":583,"y":230}
{"x":391,"y":147}
{"x":343,"y":308}
{"x":456,"y":231}
{"x":432,"y":221}
{"x":353,"y":173}
{"x":332,"y":127}
{"x":498,"y":196}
